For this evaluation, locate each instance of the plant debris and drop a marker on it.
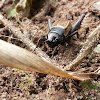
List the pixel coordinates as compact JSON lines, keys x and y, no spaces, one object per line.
{"x":24,"y":85}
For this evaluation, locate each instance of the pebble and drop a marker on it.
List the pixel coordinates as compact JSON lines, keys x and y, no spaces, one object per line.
{"x":97,"y":49}
{"x":95,"y":8}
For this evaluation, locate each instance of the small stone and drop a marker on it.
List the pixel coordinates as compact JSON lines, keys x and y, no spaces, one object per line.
{"x":97,"y":49}
{"x":95,"y":8}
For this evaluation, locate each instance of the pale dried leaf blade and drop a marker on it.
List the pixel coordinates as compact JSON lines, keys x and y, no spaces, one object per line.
{"x":84,"y":76}
{"x":25,"y":60}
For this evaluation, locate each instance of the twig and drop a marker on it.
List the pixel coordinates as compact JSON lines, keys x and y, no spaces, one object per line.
{"x":9,"y":37}
{"x":98,"y":71}
{"x":87,"y":48}
{"x":2,"y":29}
{"x":2,"y":3}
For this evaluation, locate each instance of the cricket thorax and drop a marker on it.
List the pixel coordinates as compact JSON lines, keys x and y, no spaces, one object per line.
{"x":58,"y":30}
{"x":64,"y":24}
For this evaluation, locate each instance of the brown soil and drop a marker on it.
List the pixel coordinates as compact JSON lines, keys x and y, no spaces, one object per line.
{"x":23,"y":85}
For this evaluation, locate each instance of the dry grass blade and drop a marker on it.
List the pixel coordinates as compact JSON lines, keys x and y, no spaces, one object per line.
{"x":20,"y":58}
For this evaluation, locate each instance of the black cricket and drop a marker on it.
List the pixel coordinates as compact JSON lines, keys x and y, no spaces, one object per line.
{"x":56,"y":35}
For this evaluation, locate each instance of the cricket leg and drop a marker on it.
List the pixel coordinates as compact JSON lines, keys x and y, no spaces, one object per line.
{"x":72,"y":34}
{"x":41,"y":40}
{"x":78,"y":23}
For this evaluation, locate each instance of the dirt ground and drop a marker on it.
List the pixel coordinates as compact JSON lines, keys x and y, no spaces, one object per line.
{"x":23,"y":85}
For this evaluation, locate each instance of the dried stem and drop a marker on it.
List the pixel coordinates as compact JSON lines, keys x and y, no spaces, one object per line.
{"x":87,"y":48}
{"x":2,"y":3}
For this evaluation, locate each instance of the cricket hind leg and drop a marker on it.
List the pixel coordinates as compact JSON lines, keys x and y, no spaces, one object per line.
{"x":77,"y":25}
{"x":72,"y":34}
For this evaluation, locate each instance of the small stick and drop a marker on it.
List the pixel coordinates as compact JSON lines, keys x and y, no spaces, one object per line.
{"x":87,"y":48}
{"x":2,"y":3}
